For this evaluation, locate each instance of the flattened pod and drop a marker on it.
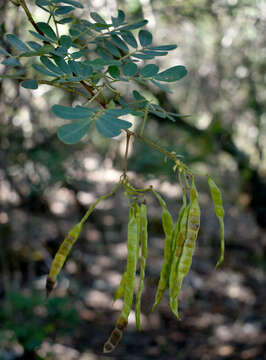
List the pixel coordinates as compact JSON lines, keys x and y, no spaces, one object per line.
{"x":60,"y":257}
{"x":219,"y":211}
{"x":133,"y":247}
{"x":115,"y":337}
{"x":168,"y":228}
{"x":144,"y":246}
{"x":120,"y":290}
{"x":193,"y":225}
{"x":181,"y":237}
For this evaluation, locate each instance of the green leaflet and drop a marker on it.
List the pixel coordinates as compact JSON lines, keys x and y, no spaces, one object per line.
{"x":149,"y":70}
{"x":47,"y":30}
{"x":145,"y":38}
{"x":119,"y":19}
{"x":74,"y":132}
{"x":30,"y":84}
{"x":63,"y":10}
{"x":129,"y":38}
{"x":17,"y":43}
{"x":11,"y":61}
{"x":76,"y":113}
{"x":71,"y":2}
{"x":172,"y":74}
{"x":130,"y":69}
{"x":110,"y":126}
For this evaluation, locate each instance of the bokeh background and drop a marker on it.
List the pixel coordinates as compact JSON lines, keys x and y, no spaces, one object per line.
{"x":46,"y":186}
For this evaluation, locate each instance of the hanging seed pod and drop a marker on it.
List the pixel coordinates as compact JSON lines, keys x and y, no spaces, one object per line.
{"x":168,"y":227}
{"x":132,"y":257}
{"x":60,"y":257}
{"x":144,"y":246}
{"x":219,"y":211}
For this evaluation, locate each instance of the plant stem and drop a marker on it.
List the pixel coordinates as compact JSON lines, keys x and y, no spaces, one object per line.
{"x":93,"y":206}
{"x":144,"y":119}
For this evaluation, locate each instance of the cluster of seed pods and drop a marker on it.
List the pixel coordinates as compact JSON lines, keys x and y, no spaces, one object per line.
{"x":179,"y":245}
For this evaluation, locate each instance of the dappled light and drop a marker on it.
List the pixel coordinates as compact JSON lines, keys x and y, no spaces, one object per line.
{"x":47,"y":186}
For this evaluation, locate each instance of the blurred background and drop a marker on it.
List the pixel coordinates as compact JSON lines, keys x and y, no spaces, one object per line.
{"x":46,"y":187}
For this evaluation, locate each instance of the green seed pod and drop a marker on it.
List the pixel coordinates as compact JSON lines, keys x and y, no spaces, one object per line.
{"x":60,"y":257}
{"x":132,"y":257}
{"x":219,"y":211}
{"x":144,"y":246}
{"x":180,"y":240}
{"x":168,"y":228}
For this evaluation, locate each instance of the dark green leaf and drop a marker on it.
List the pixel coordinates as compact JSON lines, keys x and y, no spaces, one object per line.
{"x":40,"y":37}
{"x":65,"y":41}
{"x":114,"y":71}
{"x":35,"y":46}
{"x":17,"y":43}
{"x":47,"y":30}
{"x":119,"y":43}
{"x":119,"y":19}
{"x":138,"y":96}
{"x":111,"y":48}
{"x":110,"y":126}
{"x":77,"y":54}
{"x":134,"y":26}
{"x":145,"y":37}
{"x":161,"y":86}
{"x":65,"y":20}
{"x":71,"y":2}
{"x":130,"y":69}
{"x":4,"y":52}
{"x":163,"y":47}
{"x":43,"y":71}
{"x":63,"y":10}
{"x":76,"y":113}
{"x":50,"y":65}
{"x":60,"y":62}
{"x":143,"y":56}
{"x":103,"y":53}
{"x":172,"y":74}
{"x":118,"y":112}
{"x":129,"y":38}
{"x":42,"y":2}
{"x":45,"y":49}
{"x":96,"y":17}
{"x":60,"y":51}
{"x":74,"y":132}
{"x":154,"y":53}
{"x":11,"y":61}
{"x":30,"y":84}
{"x":149,"y":70}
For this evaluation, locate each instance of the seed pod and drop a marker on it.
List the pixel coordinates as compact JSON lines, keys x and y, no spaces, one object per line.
{"x":115,"y":337}
{"x":180,"y":240}
{"x":219,"y":211}
{"x":168,"y":228}
{"x":185,"y":260}
{"x":120,"y":290}
{"x":132,"y":257}
{"x":60,"y":257}
{"x":144,"y":246}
